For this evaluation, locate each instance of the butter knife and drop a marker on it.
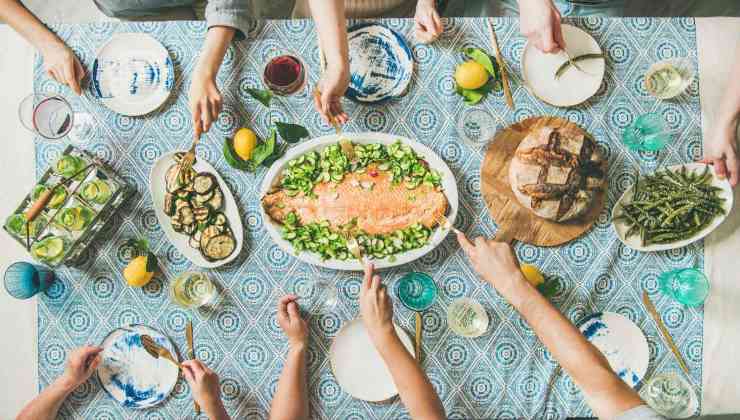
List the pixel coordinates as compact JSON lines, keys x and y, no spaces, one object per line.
{"x":191,"y":354}
{"x":664,"y":331}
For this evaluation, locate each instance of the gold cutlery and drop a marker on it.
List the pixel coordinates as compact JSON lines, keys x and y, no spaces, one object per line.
{"x":186,"y":163}
{"x":445,"y":223}
{"x":157,"y":351}
{"x":417,"y":349}
{"x":501,"y":66}
{"x":664,"y":331}
{"x":191,"y":354}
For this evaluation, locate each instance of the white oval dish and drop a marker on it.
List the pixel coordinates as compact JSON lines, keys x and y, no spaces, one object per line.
{"x":449,"y":187}
{"x":574,"y":86}
{"x":634,"y":241}
{"x":357,"y":365}
{"x":132,"y":74}
{"x":157,"y":190}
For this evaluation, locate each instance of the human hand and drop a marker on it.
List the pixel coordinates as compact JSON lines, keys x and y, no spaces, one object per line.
{"x":62,"y":64}
{"x":205,"y":388}
{"x":427,"y":25}
{"x":376,"y":309}
{"x":329,"y":92}
{"x":290,"y":321}
{"x":539,"y":21}
{"x":494,"y":261}
{"x":81,"y":363}
{"x":722,"y":152}
{"x":205,"y":100}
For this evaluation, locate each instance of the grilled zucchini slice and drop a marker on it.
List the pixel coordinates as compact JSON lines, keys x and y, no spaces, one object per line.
{"x":219,"y":247}
{"x":201,"y":213}
{"x":217,"y":201}
{"x":194,"y":240}
{"x":204,"y":183}
{"x":202,"y":199}
{"x":219,"y":220}
{"x":186,"y":215}
{"x":208,"y":233}
{"x":169,"y":204}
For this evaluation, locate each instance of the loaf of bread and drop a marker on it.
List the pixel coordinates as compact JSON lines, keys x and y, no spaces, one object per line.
{"x":555,"y":172}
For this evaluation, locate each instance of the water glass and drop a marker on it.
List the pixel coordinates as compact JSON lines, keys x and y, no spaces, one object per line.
{"x":52,"y":117}
{"x":670,"y":395}
{"x":23,"y":280}
{"x":689,"y":286}
{"x":192,"y":289}
{"x":417,"y":291}
{"x":669,"y":78}
{"x":647,"y":133}
{"x":476,"y":127}
{"x":306,"y":290}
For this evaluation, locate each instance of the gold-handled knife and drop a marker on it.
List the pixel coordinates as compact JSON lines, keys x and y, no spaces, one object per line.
{"x":191,"y":353}
{"x":664,"y":331}
{"x":419,"y":326}
{"x":501,"y":65}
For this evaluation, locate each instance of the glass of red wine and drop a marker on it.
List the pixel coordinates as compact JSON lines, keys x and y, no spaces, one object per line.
{"x":285,"y":75}
{"x":52,"y":117}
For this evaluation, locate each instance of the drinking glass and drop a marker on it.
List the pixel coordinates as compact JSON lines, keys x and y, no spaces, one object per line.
{"x":647,"y":133}
{"x":192,"y":289}
{"x":476,"y":127}
{"x":23,"y":280}
{"x":467,"y":317}
{"x":669,"y":78}
{"x":688,"y":286}
{"x":417,"y":291}
{"x":670,"y":395}
{"x":307,"y":290}
{"x":285,"y":75}
{"x":52,"y":117}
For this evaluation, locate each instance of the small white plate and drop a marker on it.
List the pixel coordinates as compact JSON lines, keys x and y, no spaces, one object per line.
{"x":132,"y":74}
{"x":449,"y":187}
{"x":157,"y":189}
{"x":622,"y":343}
{"x":380,"y":63}
{"x":574,"y":86}
{"x":634,"y":241}
{"x":132,"y":376}
{"x":358,"y":367}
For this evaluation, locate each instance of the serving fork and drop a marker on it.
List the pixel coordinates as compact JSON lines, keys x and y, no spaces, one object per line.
{"x":186,"y":163}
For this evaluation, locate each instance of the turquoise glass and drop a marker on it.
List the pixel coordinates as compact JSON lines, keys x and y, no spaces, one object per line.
{"x":688,"y":286}
{"x":23,"y":280}
{"x":417,"y":291}
{"x":646,"y":134}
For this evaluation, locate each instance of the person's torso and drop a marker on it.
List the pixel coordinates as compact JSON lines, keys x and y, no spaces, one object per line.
{"x":364,"y":8}
{"x":137,"y":8}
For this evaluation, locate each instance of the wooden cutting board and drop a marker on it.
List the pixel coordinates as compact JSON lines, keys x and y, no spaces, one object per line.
{"x":512,"y":218}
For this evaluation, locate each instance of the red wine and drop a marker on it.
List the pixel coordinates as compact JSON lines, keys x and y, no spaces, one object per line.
{"x":284,"y":75}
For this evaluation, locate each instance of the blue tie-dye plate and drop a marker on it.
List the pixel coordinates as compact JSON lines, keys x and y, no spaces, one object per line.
{"x":132,"y":74}
{"x":131,"y":375}
{"x":621,"y":341}
{"x":380,"y":63}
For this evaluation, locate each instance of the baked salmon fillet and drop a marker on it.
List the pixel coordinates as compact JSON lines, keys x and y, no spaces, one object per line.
{"x":370,"y":199}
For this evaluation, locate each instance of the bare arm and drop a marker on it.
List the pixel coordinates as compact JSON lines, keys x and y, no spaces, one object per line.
{"x":416,"y":392}
{"x":605,"y":393}
{"x":60,"y":62}
{"x":331,"y":27}
{"x":721,"y":147}
{"x":291,"y":398}
{"x":80,"y":365}
{"x":539,"y":21}
{"x":205,"y":98}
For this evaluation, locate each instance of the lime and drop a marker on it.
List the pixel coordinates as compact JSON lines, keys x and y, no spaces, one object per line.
{"x":104,"y":191}
{"x":54,"y":247}
{"x":471,"y":75}
{"x":90,"y":191}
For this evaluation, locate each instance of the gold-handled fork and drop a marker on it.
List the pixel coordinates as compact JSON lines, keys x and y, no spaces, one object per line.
{"x":186,"y":163}
{"x":157,"y":351}
{"x":445,"y":223}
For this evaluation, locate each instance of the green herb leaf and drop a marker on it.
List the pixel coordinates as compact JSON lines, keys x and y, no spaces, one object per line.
{"x":233,"y":159}
{"x":572,"y":62}
{"x":263,"y":96}
{"x":279,"y":152}
{"x":291,"y":133}
{"x":151,"y":262}
{"x":473,"y":96}
{"x":265,"y":149}
{"x":549,"y":287}
{"x":481,"y":57}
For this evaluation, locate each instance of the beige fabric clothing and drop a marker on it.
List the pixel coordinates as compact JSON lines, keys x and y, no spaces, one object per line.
{"x":364,"y":8}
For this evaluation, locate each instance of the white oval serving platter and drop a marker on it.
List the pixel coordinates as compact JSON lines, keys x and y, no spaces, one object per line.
{"x":634,"y":241}
{"x":157,"y":190}
{"x":449,"y":186}
{"x":357,"y":365}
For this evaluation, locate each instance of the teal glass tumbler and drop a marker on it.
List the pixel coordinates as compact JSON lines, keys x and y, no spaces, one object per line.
{"x":646,"y":134}
{"x":688,"y":286}
{"x":23,"y":280}
{"x":417,"y":291}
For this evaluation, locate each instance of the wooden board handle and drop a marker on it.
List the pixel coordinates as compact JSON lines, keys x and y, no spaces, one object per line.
{"x":39,"y":205}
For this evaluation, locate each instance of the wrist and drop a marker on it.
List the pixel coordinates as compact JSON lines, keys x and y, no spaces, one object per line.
{"x":515,"y":289}
{"x":383,"y":334}
{"x":65,"y":384}
{"x":297,"y":348}
{"x":215,"y":411}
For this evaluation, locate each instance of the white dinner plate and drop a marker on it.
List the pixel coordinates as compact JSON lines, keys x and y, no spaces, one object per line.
{"x":380,"y":63}
{"x":358,"y":367}
{"x":158,"y":189}
{"x":132,"y":376}
{"x":574,"y":86}
{"x":622,"y":343}
{"x":449,"y":187}
{"x":132,"y":74}
{"x":634,"y":241}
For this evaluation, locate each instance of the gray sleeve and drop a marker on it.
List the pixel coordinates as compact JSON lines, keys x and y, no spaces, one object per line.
{"x":641,"y":412}
{"x":230,"y":13}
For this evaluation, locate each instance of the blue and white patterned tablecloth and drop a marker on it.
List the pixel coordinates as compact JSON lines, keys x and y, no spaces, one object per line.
{"x":502,"y":374}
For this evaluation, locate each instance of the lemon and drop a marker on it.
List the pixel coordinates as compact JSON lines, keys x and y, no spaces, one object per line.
{"x":532,"y":274}
{"x":244,"y":143}
{"x":471,"y":75}
{"x":135,"y":272}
